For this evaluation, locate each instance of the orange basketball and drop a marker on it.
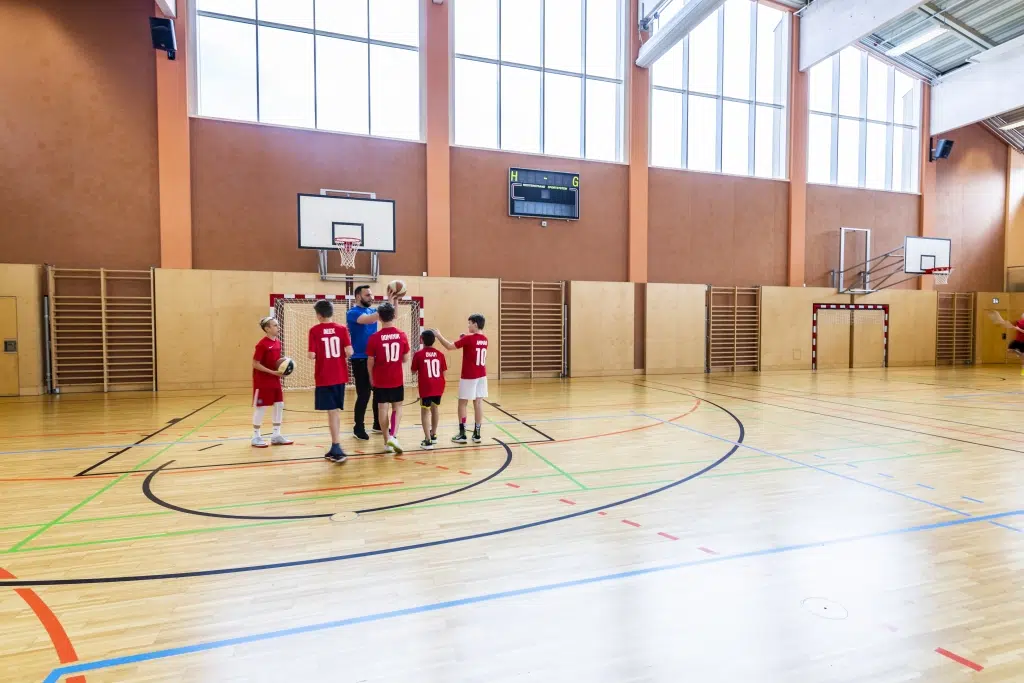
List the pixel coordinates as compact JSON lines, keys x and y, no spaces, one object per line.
{"x":396,"y":288}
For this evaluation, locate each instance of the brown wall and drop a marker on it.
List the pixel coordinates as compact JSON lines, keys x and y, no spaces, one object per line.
{"x":245,"y":178}
{"x":716,"y":229}
{"x":891,"y":216}
{"x":486,"y":242}
{"x":971,"y":208}
{"x":78,"y":163}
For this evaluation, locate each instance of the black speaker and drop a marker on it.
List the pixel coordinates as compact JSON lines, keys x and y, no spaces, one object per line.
{"x":162,"y":32}
{"x":943,"y":148}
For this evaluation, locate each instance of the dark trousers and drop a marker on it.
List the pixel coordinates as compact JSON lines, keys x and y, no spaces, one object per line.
{"x":363,"y":393}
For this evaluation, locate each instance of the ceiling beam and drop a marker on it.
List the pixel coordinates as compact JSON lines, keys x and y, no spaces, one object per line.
{"x":961,"y":29}
{"x":978,"y":91}
{"x":169,"y":8}
{"x":685,"y":20}
{"x":827,"y":26}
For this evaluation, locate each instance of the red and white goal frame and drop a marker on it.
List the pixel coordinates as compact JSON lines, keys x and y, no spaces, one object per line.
{"x":850,"y":307}
{"x":411,"y":319}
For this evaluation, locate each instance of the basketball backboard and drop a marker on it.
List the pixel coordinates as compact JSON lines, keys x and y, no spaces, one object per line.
{"x":323,"y":218}
{"x":922,"y":253}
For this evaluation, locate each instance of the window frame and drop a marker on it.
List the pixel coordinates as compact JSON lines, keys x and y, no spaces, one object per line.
{"x":780,"y":167}
{"x":582,"y":76}
{"x":863,"y":120}
{"x":194,"y":55}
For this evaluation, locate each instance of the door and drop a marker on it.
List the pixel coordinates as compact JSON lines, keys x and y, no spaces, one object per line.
{"x":833,"y":346}
{"x":994,"y":338}
{"x":9,"y":350}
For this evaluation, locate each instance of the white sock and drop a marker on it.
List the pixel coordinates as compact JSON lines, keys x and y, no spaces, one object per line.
{"x":277,"y":430}
{"x":257,"y":420}
{"x":278,"y":413}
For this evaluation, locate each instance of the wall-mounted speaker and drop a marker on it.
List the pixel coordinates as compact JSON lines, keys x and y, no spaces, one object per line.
{"x":942,"y":149}
{"x":162,"y":32}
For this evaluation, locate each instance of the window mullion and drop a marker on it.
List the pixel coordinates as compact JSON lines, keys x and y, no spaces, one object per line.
{"x":583,"y":81}
{"x":686,"y":104}
{"x":543,"y":67}
{"x":500,"y":57}
{"x":862,"y":153}
{"x":752,"y":93}
{"x":834,"y":146}
{"x":720,"y":90}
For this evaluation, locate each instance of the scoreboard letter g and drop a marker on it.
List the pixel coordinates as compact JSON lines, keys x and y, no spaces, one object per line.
{"x":575,"y":181}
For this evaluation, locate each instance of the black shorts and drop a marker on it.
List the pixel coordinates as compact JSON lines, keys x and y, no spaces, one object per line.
{"x":1017,"y":346}
{"x":392,"y":395}
{"x":329,"y":398}
{"x":428,"y":401}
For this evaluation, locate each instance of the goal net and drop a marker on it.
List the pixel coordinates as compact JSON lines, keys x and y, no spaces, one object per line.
{"x":296,"y":315}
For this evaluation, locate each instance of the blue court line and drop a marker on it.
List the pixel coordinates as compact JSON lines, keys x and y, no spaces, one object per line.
{"x":887,"y":476}
{"x":926,"y":486}
{"x":246,"y":438}
{"x":56,"y":674}
{"x":820,"y":469}
{"x":973,"y":500}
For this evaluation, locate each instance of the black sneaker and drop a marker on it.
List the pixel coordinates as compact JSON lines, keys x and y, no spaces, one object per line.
{"x":376,"y":429}
{"x":360,"y":434}
{"x":433,"y":439}
{"x":328,"y":455}
{"x":460,"y":438}
{"x":477,"y":438}
{"x":427,"y":445}
{"x":337,"y":458}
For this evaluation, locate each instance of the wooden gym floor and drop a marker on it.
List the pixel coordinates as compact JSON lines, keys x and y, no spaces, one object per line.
{"x":785,"y":527}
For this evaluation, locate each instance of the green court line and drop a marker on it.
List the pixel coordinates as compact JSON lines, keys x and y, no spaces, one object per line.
{"x":79,"y":506}
{"x":527,"y":447}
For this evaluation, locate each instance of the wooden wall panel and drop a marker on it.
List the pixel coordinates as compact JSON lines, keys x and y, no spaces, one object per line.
{"x":786,"y":314}
{"x":219,"y":311}
{"x":487,"y":242}
{"x":245,"y":177}
{"x":717,"y":229}
{"x":1015,"y":209}
{"x":78,"y":170}
{"x":891,"y":216}
{"x":600,"y":329}
{"x":970,"y":207}
{"x":833,"y":346}
{"x":868,"y":342}
{"x":24,"y":283}
{"x":912,"y":321}
{"x":989,"y":345}
{"x":675,"y":328}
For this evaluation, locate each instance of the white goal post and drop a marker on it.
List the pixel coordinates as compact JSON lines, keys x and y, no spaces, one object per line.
{"x":296,"y":315}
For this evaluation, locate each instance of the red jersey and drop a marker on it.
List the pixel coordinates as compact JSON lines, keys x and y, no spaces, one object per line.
{"x":1020,"y":326}
{"x":328,"y":342}
{"x":431,"y":365}
{"x":474,"y":355}
{"x":386,"y":347}
{"x":268,"y":353}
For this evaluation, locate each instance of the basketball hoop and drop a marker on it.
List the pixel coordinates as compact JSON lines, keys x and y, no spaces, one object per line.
{"x":941,"y":275}
{"x":347,"y":248}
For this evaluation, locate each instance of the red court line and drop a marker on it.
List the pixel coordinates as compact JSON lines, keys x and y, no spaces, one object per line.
{"x":515,"y":486}
{"x":464,"y":472}
{"x":345,"y":488}
{"x":603,"y":514}
{"x":440,"y":467}
{"x":958,"y":659}
{"x":566,"y":501}
{"x":709,"y":551}
{"x":58,"y":636}
{"x":621,"y":431}
{"x":631,"y":523}
{"x":668,"y":536}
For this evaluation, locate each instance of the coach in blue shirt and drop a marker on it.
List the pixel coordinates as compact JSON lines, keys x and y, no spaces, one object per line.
{"x":362,"y":323}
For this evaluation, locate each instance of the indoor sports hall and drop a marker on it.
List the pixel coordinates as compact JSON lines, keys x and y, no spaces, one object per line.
{"x":588,"y":341}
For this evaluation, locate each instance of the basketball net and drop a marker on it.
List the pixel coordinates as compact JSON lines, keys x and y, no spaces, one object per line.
{"x":347,"y":248}
{"x":941,"y":275}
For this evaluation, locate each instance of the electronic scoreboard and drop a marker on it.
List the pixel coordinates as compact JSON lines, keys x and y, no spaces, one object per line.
{"x":543,"y":194}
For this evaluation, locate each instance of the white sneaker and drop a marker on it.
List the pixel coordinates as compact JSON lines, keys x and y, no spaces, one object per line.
{"x":393,"y":443}
{"x":389,"y":449}
{"x":280,"y":440}
{"x":258,"y":442}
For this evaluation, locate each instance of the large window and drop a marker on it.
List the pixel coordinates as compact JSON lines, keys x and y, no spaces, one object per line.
{"x":718,"y":98}
{"x":542,"y":76}
{"x":351,"y":66}
{"x":865,"y":124}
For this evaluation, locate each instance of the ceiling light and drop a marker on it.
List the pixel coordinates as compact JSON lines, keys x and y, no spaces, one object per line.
{"x":916,"y":42}
{"x":1011,"y":126}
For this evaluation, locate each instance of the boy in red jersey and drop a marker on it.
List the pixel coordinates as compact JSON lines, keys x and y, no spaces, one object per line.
{"x":266,"y":384}
{"x":473,"y":382}
{"x":430,"y":366}
{"x":387,"y":351}
{"x":330,"y":348}
{"x":1016,"y":347}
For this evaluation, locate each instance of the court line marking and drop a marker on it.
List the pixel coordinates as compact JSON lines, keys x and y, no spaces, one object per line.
{"x":344,"y":488}
{"x":395,"y":549}
{"x":51,"y":624}
{"x":67,"y":513}
{"x":56,"y":674}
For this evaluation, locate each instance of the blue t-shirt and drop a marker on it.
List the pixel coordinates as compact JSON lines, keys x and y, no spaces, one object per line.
{"x":359,"y":332}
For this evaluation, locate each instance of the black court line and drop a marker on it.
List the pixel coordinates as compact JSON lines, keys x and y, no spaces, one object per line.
{"x":147,"y":489}
{"x":170,"y":424}
{"x":388,"y":551}
{"x":834,"y":417}
{"x":500,"y":409}
{"x":209,"y":447}
{"x":409,"y":451}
